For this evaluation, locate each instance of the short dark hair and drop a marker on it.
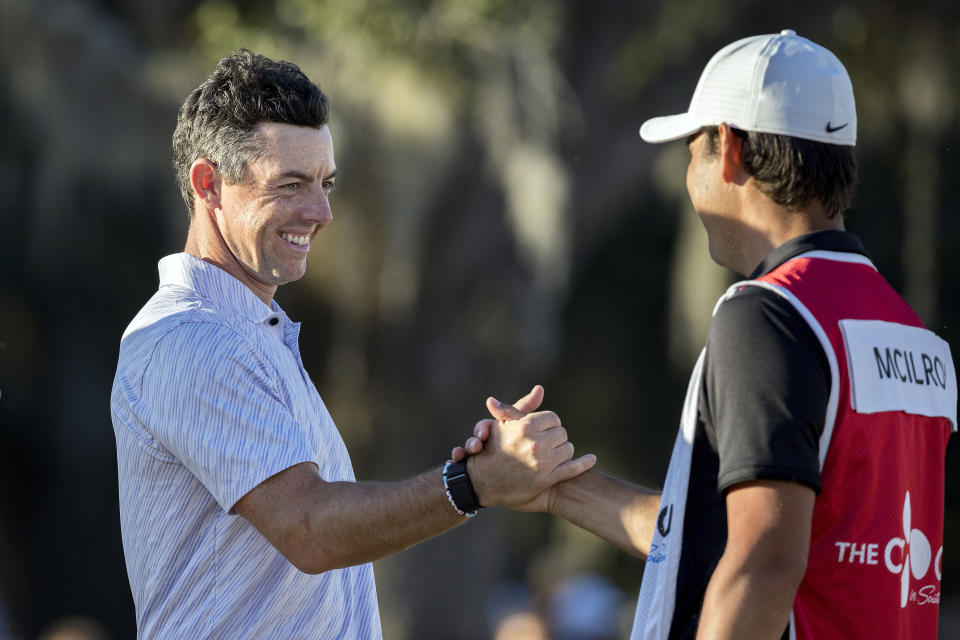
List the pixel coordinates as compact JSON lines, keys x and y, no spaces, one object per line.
{"x":793,"y":172}
{"x":218,"y":118}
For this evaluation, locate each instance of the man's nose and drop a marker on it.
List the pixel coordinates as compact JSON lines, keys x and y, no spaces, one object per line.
{"x":318,"y":211}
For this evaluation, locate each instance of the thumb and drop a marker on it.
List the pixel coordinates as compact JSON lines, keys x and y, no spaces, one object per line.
{"x":518,"y":409}
{"x":530,"y":402}
{"x":573,"y":468}
{"x":502,"y":411}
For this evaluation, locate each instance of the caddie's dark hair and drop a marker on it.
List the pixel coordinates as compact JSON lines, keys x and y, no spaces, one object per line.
{"x":793,"y":172}
{"x":217,"y":119}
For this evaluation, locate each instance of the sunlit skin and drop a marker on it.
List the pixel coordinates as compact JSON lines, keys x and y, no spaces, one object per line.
{"x":241,"y":227}
{"x":712,"y":199}
{"x":743,"y":224}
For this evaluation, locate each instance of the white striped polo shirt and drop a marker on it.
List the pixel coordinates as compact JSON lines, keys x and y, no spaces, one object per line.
{"x":210,"y":399}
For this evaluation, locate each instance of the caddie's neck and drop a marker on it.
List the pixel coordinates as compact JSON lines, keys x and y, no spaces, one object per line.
{"x":767,"y":225}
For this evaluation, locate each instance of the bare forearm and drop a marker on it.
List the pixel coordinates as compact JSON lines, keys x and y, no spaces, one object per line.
{"x":618,"y":511}
{"x":746,"y":602}
{"x":339,"y":524}
{"x":322,"y":525}
{"x":753,"y":587}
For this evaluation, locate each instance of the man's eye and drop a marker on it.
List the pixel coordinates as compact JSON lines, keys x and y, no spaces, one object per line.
{"x":328,"y":186}
{"x":290,"y":186}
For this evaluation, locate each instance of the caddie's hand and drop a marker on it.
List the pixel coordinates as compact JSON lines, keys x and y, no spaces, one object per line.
{"x":502,"y":411}
{"x":522,"y":459}
{"x":481,"y":431}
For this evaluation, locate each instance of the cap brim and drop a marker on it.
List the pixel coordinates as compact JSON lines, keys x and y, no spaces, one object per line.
{"x":667,"y":128}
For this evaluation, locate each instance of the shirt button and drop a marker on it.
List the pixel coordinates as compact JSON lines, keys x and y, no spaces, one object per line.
{"x":274,"y":321}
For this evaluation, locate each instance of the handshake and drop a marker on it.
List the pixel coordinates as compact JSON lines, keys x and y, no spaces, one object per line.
{"x":519,"y":455}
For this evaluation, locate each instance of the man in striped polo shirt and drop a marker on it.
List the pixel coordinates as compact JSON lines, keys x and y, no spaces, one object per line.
{"x":804,"y":497}
{"x":215,"y":416}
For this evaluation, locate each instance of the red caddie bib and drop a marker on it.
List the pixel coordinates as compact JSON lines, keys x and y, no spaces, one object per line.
{"x":876,"y":551}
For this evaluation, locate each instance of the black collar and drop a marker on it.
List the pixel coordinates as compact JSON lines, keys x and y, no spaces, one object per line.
{"x":829,"y":240}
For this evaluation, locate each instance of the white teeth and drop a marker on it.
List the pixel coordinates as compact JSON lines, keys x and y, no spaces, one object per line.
{"x":301,"y":241}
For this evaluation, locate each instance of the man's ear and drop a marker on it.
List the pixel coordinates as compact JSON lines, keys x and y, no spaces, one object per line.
{"x":731,"y":154}
{"x":206,"y":182}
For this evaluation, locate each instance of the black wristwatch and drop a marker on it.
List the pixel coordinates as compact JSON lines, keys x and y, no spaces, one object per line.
{"x":459,"y":488}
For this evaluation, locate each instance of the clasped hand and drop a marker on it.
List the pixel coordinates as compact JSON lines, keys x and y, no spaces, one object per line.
{"x":517,"y":456}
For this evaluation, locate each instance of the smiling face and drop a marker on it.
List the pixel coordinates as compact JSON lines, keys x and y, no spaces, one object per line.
{"x":269,"y":219}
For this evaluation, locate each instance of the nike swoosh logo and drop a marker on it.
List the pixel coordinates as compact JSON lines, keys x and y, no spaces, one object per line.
{"x":832,"y":129}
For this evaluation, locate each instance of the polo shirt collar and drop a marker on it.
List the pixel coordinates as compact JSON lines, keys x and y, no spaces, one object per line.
{"x":828,"y":240}
{"x":218,"y":286}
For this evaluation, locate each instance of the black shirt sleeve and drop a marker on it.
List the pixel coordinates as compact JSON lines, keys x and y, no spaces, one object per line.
{"x":767,"y":383}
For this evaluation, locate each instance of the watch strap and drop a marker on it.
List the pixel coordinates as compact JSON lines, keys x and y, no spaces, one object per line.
{"x":459,"y":489}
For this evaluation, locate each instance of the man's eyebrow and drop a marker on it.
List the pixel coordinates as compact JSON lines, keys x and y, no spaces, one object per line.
{"x":299,"y":175}
{"x":293,"y":173}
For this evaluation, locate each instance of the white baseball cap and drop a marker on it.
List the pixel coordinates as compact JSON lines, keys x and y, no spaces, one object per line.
{"x":777,"y":83}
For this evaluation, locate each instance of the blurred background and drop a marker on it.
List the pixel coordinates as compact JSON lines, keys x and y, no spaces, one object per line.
{"x":498,"y":223}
